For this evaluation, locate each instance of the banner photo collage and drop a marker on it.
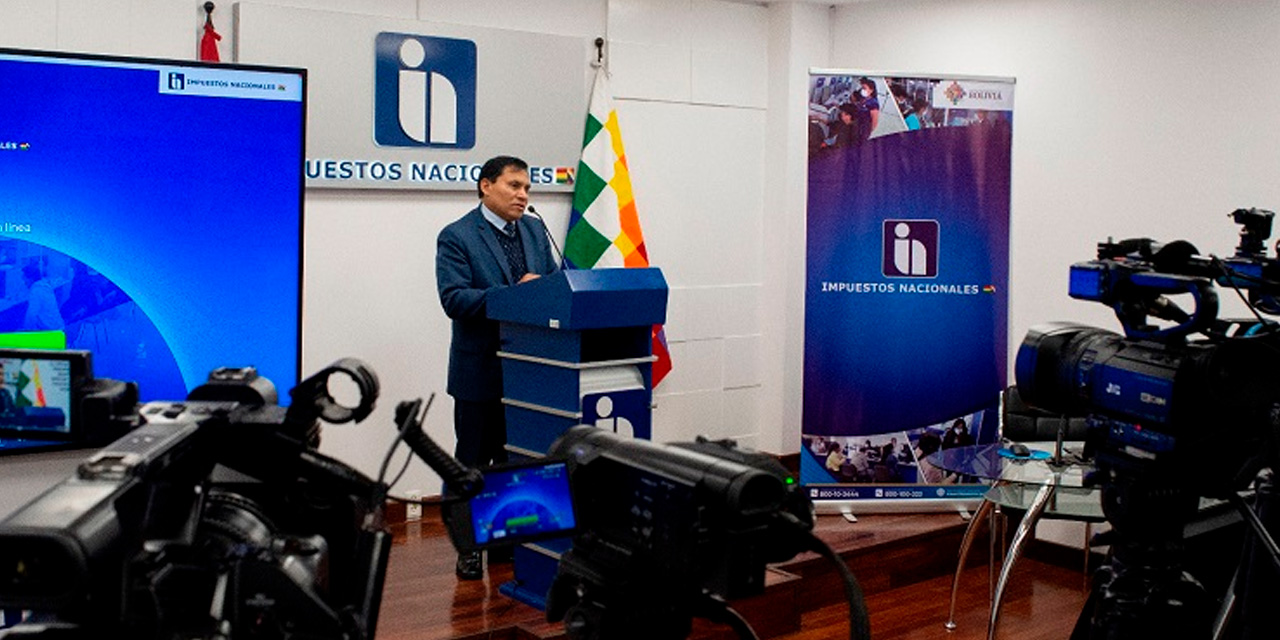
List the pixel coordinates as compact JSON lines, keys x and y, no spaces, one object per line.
{"x":906,"y":308}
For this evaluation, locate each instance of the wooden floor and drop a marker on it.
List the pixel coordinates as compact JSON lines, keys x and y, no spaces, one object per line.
{"x":903,"y":563}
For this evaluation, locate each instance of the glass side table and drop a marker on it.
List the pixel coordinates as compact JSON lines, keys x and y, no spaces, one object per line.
{"x":1039,"y":486}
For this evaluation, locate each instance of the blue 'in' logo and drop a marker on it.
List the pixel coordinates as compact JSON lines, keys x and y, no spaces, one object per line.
{"x":177,"y":81}
{"x":910,"y":248}
{"x":425,"y":92}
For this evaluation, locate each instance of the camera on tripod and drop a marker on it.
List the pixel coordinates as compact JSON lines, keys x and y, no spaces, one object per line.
{"x":661,"y":534}
{"x":1183,"y":404}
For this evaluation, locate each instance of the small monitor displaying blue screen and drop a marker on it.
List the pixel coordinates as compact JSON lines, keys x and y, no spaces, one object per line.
{"x":151,"y":213}
{"x":1086,"y":282}
{"x":35,"y":397}
{"x":523,"y":503}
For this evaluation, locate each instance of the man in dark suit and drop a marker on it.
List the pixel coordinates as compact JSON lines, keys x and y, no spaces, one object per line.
{"x":490,"y":247}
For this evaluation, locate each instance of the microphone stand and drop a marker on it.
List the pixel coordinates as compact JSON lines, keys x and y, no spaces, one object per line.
{"x":547,"y":231}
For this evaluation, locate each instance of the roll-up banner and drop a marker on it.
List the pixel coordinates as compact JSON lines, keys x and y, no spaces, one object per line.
{"x":906,"y":305}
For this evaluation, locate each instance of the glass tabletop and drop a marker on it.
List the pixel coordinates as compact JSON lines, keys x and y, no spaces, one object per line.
{"x":984,"y":461}
{"x":1066,"y":503}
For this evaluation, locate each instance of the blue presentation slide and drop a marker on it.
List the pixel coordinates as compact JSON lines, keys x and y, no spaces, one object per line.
{"x":150,"y":213}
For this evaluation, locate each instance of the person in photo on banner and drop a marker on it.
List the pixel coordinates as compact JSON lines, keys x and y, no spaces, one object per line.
{"x":492,"y":246}
{"x":867,"y":107}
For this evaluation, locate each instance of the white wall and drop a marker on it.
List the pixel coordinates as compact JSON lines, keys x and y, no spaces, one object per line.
{"x":799,"y":38}
{"x":1132,"y":118}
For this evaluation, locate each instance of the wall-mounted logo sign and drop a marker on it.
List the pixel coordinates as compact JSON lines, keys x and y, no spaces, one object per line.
{"x":425,"y":91}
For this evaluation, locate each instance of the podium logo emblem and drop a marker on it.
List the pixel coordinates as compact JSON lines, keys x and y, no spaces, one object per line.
{"x":910,"y":249}
{"x":425,"y":91}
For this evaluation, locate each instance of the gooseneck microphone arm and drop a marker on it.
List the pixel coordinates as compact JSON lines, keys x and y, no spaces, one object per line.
{"x":534,"y":212}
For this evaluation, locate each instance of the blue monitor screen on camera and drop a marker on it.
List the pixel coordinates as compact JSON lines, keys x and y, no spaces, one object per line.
{"x":523,"y":502}
{"x":151,"y":213}
{"x":1086,"y":282}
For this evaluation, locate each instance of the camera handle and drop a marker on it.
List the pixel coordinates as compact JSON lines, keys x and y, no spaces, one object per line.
{"x":1133,"y":313}
{"x":461,"y":481}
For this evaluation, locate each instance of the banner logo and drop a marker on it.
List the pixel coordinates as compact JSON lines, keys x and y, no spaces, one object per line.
{"x":910,"y":249}
{"x":425,"y":91}
{"x":974,"y":94}
{"x":177,"y":81}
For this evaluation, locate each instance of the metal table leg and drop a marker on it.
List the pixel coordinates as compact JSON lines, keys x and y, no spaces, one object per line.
{"x":1015,"y":549}
{"x":965,"y":543}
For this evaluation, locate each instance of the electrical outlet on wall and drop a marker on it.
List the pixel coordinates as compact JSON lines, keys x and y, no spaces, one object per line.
{"x":413,"y":510}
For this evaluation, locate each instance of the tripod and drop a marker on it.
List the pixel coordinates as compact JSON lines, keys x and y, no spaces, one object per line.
{"x":1142,"y":589}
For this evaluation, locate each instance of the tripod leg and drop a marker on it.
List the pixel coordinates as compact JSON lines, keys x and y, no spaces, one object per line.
{"x":1228,"y":607}
{"x":1259,"y":529}
{"x":1258,"y":586}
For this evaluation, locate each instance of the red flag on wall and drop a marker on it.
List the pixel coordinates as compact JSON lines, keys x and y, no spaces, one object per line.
{"x":209,"y":41}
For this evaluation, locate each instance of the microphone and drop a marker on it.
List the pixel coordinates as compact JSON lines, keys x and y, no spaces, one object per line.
{"x":534,"y":212}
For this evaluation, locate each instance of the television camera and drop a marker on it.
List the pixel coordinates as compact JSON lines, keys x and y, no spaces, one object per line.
{"x":213,"y":517}
{"x":662,"y":534}
{"x":1183,"y":404}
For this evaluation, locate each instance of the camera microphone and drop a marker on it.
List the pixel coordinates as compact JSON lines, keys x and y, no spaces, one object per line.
{"x":534,"y":212}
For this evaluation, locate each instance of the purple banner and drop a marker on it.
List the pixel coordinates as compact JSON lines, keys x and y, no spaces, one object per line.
{"x":906,"y":311}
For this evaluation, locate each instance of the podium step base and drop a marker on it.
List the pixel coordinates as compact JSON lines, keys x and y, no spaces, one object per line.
{"x":520,"y":593}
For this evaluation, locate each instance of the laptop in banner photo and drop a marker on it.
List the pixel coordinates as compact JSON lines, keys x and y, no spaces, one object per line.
{"x":425,"y":94}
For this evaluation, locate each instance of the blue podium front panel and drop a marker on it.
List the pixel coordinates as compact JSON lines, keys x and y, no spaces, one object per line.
{"x":530,"y":431}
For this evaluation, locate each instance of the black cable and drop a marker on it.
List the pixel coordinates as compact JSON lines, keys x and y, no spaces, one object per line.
{"x":404,"y":467}
{"x":717,"y":610}
{"x":409,"y":458}
{"x":859,"y":619}
{"x":407,"y":413}
{"x":1231,"y":276}
{"x":403,"y":414}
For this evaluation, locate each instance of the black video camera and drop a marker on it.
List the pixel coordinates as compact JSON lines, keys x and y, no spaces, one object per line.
{"x":1184,"y":404}
{"x":215,"y":517}
{"x":1159,"y":388}
{"x":661,"y":533}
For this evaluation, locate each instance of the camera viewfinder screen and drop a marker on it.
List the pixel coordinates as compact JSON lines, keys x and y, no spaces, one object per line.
{"x":523,"y":502}
{"x":35,"y":396}
{"x":150,"y":213}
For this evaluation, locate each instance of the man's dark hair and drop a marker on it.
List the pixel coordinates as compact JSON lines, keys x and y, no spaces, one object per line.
{"x":494,"y":167}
